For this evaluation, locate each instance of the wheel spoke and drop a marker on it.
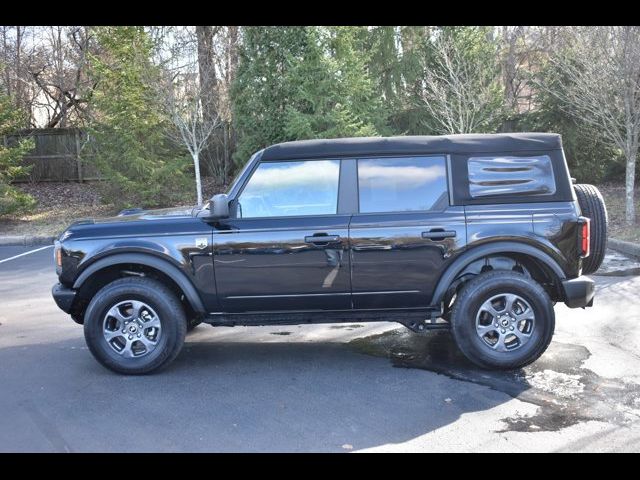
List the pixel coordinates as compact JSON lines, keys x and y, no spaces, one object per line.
{"x":488,"y":307}
{"x":111,"y":334}
{"x":136,"y":307}
{"x":526,"y":315}
{"x":522,"y":336}
{"x":500,"y":345}
{"x":117,"y":314}
{"x":484,"y":329}
{"x":510,"y":300}
{"x":148,"y":343}
{"x":127,"y":351}
{"x":153,"y":323}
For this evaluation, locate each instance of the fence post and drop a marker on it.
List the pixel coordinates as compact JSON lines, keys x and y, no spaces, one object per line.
{"x":78,"y":159}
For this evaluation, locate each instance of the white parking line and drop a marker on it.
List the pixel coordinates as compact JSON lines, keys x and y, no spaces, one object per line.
{"x":25,"y":253}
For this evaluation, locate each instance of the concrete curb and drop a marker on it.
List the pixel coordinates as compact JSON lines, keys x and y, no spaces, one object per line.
{"x":628,"y":248}
{"x":25,"y":240}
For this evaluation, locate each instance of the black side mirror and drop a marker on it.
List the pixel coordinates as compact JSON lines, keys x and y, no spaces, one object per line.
{"x":218,"y":208}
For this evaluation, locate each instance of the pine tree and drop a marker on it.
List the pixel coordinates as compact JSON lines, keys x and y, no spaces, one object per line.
{"x":304,"y":82}
{"x":131,"y":150}
{"x":12,"y":200}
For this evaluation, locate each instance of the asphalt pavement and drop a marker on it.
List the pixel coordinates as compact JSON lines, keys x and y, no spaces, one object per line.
{"x":334,"y":388}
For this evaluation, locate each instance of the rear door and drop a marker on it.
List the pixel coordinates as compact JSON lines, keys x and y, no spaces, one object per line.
{"x":405,"y":231}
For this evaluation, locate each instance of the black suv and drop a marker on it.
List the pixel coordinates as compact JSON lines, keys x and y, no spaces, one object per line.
{"x":480,"y":234}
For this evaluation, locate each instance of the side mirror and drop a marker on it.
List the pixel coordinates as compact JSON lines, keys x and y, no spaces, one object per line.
{"x":218,"y":208}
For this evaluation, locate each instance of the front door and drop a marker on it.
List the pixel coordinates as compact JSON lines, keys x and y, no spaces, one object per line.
{"x":404,"y":233}
{"x":287,"y":248}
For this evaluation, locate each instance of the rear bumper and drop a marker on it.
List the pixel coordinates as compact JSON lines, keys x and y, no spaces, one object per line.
{"x":579,"y":292}
{"x":63,"y":296}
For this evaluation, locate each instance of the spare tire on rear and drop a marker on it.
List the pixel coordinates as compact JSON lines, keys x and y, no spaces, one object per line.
{"x":593,"y":207}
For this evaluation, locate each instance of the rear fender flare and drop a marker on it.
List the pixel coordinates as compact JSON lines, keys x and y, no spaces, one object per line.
{"x":481,"y":251}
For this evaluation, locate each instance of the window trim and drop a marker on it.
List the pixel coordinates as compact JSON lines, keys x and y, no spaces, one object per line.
{"x":462,"y":197}
{"x":236,"y":199}
{"x":448,"y":185}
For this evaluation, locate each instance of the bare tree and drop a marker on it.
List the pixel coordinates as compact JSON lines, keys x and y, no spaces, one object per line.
{"x":45,"y":72}
{"x":602,"y":88}
{"x":211,"y":53}
{"x":460,"y":92}
{"x":186,"y":95}
{"x":58,"y":69}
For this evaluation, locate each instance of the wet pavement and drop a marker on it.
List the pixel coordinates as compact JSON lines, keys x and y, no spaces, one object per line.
{"x":338,"y":387}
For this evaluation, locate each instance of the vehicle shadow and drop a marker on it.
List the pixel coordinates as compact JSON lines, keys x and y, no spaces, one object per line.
{"x":229,"y":396}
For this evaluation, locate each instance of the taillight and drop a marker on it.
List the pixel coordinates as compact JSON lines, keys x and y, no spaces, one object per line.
{"x":585,"y":235}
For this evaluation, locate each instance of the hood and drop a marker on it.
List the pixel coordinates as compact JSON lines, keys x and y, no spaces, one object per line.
{"x":139,"y":214}
{"x":134,"y":222}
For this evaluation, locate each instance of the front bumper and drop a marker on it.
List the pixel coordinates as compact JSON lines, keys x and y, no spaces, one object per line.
{"x":63,"y":296}
{"x":579,"y":292}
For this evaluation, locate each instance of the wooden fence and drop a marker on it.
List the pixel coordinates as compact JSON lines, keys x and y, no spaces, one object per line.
{"x":57,"y":156}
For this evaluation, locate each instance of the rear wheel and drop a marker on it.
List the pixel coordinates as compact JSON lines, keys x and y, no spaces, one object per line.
{"x":593,"y":207}
{"x":502,"y":320}
{"x":135,"y":325}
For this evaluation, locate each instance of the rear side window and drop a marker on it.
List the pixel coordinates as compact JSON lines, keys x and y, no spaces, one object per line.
{"x":510,"y":175}
{"x":402,"y":184}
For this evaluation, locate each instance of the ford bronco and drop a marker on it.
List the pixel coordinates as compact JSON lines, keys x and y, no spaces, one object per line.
{"x":478,"y":234}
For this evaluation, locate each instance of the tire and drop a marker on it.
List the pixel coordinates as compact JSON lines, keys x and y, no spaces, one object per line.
{"x":470,"y":304}
{"x":593,"y":206}
{"x":156,"y":304}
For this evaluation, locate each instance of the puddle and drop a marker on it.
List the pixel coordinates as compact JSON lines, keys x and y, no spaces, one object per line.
{"x":348,"y":327}
{"x":280,"y":333}
{"x":565,"y":392}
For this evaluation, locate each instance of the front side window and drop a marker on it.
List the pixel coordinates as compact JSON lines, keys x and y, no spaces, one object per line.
{"x":280,"y":189}
{"x":402,"y":184}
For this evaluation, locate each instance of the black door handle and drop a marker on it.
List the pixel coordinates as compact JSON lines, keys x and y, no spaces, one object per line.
{"x":439,"y":234}
{"x":321,"y":239}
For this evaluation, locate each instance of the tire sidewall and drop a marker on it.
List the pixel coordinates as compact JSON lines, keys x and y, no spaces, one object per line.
{"x":171,"y":337}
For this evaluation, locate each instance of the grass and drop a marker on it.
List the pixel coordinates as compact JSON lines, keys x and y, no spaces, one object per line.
{"x":59,"y":204}
{"x":62,"y":203}
{"x":614,"y":197}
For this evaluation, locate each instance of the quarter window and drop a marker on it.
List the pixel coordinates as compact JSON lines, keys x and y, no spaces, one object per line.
{"x":510,"y":175}
{"x":280,"y":189}
{"x":402,"y":184}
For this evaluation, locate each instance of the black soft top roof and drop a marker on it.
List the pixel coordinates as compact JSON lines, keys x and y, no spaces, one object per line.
{"x":410,"y":145}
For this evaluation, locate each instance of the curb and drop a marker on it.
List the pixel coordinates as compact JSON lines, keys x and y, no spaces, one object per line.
{"x":628,"y":248}
{"x":25,"y":240}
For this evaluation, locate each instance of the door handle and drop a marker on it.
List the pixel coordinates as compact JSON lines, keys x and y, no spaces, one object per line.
{"x":438,"y":234}
{"x":321,"y":239}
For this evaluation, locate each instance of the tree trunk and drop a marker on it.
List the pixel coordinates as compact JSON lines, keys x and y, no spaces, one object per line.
{"x":630,"y":177}
{"x":196,"y":166}
{"x":208,"y":85}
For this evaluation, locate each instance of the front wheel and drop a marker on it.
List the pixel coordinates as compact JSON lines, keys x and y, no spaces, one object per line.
{"x":502,"y":320}
{"x":135,"y":325}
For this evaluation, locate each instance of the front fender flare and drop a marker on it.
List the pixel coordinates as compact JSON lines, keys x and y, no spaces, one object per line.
{"x":148,"y":260}
{"x":480,"y":251}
